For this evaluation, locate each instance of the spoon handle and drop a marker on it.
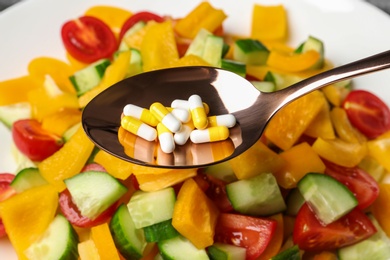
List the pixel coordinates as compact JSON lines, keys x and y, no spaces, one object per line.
{"x":364,"y":66}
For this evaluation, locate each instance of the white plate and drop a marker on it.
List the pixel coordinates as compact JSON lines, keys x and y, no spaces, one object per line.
{"x":351,"y":29}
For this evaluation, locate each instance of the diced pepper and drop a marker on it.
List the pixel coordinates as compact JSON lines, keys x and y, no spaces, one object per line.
{"x":190,"y":60}
{"x":321,"y":126}
{"x":16,"y":90}
{"x":88,"y":251}
{"x":75,"y":64}
{"x":194,"y":215}
{"x":293,"y":62}
{"x":269,"y":22}
{"x":290,"y":122}
{"x":202,"y":16}
{"x":299,"y":160}
{"x":158,"y":48}
{"x":135,"y":39}
{"x":68,"y":161}
{"x":256,"y":160}
{"x":116,"y":167}
{"x":61,"y":121}
{"x":379,"y":149}
{"x":344,"y":129}
{"x":104,"y":242}
{"x":325,"y":255}
{"x":340,"y":152}
{"x":27,"y":215}
{"x":381,"y":209}
{"x":276,"y":241}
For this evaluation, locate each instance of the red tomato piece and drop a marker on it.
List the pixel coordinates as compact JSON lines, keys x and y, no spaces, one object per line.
{"x":250,"y":232}
{"x":310,"y":235}
{"x":33,"y":141}
{"x":88,"y":39}
{"x":367,"y":112}
{"x":140,"y":16}
{"x":72,"y":213}
{"x":5,"y":192}
{"x":362,"y":184}
{"x":216,"y":191}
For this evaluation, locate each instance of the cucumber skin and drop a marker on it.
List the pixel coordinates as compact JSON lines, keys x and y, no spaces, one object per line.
{"x":23,"y":179}
{"x":291,"y":253}
{"x":160,"y":231}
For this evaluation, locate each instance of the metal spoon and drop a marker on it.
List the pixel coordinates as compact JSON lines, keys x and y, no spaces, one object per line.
{"x":224,"y":91}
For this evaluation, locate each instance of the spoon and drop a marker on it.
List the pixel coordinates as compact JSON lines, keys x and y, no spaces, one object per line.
{"x":224,"y":91}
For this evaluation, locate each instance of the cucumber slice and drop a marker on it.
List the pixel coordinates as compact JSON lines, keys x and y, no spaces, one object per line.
{"x":329,"y":198}
{"x":181,"y":248}
{"x":281,"y":81}
{"x":198,"y":44}
{"x":148,"y":208}
{"x":26,"y":179}
{"x":294,"y":202}
{"x":222,"y":171}
{"x":264,"y":86}
{"x":93,"y":192}
{"x":14,"y":112}
{"x":58,"y":242}
{"x":160,"y":231}
{"x":234,"y":66}
{"x":250,"y":52}
{"x":291,"y":253}
{"x":70,"y":132}
{"x":313,"y":43}
{"x":129,"y":240}
{"x":258,"y":196}
{"x":219,"y":251}
{"x":213,"y":48}
{"x":89,"y":77}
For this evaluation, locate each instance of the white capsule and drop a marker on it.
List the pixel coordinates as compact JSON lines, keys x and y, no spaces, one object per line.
{"x":198,"y":113}
{"x":211,"y":134}
{"x":165,"y":138}
{"x":180,"y":103}
{"x":140,"y":113}
{"x":227,"y":120}
{"x":183,"y":115}
{"x":183,"y":135}
{"x":138,"y":128}
{"x":164,"y":116}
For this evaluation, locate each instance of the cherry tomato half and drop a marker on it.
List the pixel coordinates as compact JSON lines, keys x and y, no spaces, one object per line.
{"x":33,"y":141}
{"x":362,"y":185}
{"x":5,"y":192}
{"x":250,"y":232}
{"x":135,"y":18}
{"x":88,"y":39}
{"x":309,"y":234}
{"x":368,"y":113}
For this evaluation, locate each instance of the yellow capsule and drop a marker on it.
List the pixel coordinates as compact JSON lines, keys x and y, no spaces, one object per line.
{"x":138,"y":128}
{"x":140,"y":113}
{"x":165,"y":138}
{"x":184,"y":104}
{"x":198,"y":113}
{"x":227,"y":120}
{"x":211,"y":134}
{"x":162,"y":114}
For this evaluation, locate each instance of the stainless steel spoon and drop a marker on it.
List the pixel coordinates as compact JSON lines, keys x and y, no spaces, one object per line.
{"x":224,"y":91}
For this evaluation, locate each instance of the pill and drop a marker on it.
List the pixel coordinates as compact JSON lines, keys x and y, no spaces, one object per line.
{"x":162,"y":114}
{"x":182,"y":114}
{"x":137,"y":127}
{"x":211,"y":134}
{"x":140,"y":113}
{"x":227,"y":120}
{"x":183,"y":135}
{"x":165,"y":138}
{"x":198,"y":113}
{"x":184,"y":104}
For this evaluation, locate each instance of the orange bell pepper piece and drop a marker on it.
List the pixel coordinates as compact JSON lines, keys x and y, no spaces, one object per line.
{"x":75,"y":64}
{"x":300,"y":159}
{"x":88,"y":251}
{"x":15,"y":90}
{"x":379,"y":149}
{"x":61,"y":121}
{"x":292,"y":62}
{"x":104,"y":242}
{"x":269,"y":22}
{"x":381,"y":209}
{"x":202,"y":16}
{"x":344,"y":129}
{"x":68,"y":161}
{"x":27,"y":215}
{"x":194,"y":215}
{"x":275,"y":244}
{"x":116,"y":167}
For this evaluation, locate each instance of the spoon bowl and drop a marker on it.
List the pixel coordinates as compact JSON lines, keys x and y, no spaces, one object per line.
{"x":224,"y":91}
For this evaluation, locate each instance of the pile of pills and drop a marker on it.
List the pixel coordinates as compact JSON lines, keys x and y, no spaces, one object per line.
{"x":175,"y":125}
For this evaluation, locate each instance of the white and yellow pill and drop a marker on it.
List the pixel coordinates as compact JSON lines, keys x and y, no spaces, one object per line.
{"x":140,"y":113}
{"x":165,"y":138}
{"x":227,"y":120}
{"x":182,"y":114}
{"x":198,"y":113}
{"x":162,"y":114}
{"x":184,"y":104}
{"x":183,"y":135}
{"x":137,"y":127}
{"x":211,"y":134}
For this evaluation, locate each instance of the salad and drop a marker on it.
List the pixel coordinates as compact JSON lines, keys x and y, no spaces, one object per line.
{"x":313,"y":187}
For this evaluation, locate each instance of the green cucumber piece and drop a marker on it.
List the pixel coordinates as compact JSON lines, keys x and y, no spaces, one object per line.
{"x":148,"y":208}
{"x":219,"y":251}
{"x":291,"y":253}
{"x":160,"y":231}
{"x":250,"y":52}
{"x":93,"y":192}
{"x":59,"y":241}
{"x":14,"y":112}
{"x":257,"y":196}
{"x":313,"y":43}
{"x":198,"y":44}
{"x":129,"y":240}
{"x":89,"y":77}
{"x":234,"y":66}
{"x":294,"y":202}
{"x":281,"y":81}
{"x":26,"y":179}
{"x":264,"y":86}
{"x":222,"y":171}
{"x":180,"y":248}
{"x":329,"y":198}
{"x":70,"y":132}
{"x":213,"y":48}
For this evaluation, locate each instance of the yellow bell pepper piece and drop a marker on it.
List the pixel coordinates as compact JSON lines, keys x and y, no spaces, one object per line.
{"x":158,"y":48}
{"x":104,"y":242}
{"x":114,"y":73}
{"x":27,"y":215}
{"x":340,"y":152}
{"x":269,"y":22}
{"x":290,"y":122}
{"x":75,"y":64}
{"x":256,"y":160}
{"x":61,"y":121}
{"x":194,"y":215}
{"x":321,"y":126}
{"x":118,"y":168}
{"x":190,"y":60}
{"x":155,"y":182}
{"x":344,"y":129}
{"x":380,"y":207}
{"x":275,"y":244}
{"x":202,"y":16}
{"x":300,"y":159}
{"x":379,"y":149}
{"x":293,"y":62}
{"x":68,"y":161}
{"x":88,"y":251}
{"x":15,"y":90}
